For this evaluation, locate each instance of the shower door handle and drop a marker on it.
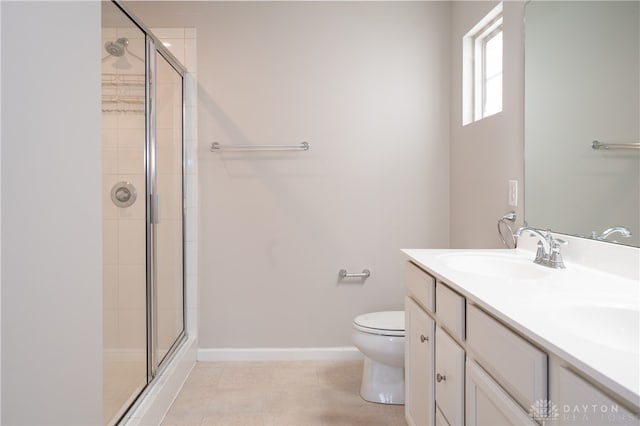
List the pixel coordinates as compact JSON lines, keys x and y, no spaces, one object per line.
{"x":154,"y":209}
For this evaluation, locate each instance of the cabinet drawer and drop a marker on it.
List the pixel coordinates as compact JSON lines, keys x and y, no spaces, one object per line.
{"x":450,"y":307}
{"x":421,"y":286}
{"x":514,"y":363}
{"x":449,"y":378}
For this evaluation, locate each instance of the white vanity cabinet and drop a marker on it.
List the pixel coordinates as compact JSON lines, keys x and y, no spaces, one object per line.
{"x":419,"y":359}
{"x":575,"y":401}
{"x":440,"y":420}
{"x":487,"y":404}
{"x":451,"y":311}
{"x":434,"y":360}
{"x":518,"y":366}
{"x":452,"y":346}
{"x":449,"y":378}
{"x":491,"y":361}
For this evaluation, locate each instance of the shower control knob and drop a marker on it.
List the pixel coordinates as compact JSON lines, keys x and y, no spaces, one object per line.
{"x":440,"y":378}
{"x":123,"y":194}
{"x":423,"y":338}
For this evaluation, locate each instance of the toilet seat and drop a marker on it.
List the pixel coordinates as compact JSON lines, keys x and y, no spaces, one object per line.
{"x":387,"y":323}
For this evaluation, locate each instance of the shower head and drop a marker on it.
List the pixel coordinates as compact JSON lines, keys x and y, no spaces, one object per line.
{"x":119,"y":50}
{"x":118,"y":47}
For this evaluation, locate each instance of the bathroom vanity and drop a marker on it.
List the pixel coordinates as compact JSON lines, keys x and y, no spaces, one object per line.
{"x":494,"y":339}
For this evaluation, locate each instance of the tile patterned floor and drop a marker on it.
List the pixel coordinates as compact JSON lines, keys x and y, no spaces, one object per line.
{"x":298,"y":393}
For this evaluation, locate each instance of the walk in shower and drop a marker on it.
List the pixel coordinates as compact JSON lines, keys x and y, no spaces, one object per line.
{"x":143,"y":208}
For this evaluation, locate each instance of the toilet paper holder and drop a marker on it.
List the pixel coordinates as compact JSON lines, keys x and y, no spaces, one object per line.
{"x":342,"y":273}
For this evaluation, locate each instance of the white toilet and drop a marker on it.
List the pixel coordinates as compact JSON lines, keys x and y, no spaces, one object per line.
{"x":380,"y":338}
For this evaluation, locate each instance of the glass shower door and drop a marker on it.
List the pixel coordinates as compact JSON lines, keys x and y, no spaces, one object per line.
{"x":124,"y":212}
{"x":169,"y":230}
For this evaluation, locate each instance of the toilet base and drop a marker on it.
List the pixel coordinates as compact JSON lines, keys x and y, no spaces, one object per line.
{"x":382,"y":383}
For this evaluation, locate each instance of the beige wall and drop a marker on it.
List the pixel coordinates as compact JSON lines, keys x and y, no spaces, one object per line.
{"x":488,"y":153}
{"x":367,"y":85}
{"x":375,"y":87}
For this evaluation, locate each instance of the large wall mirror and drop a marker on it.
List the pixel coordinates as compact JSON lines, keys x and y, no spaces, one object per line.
{"x":582,"y":84}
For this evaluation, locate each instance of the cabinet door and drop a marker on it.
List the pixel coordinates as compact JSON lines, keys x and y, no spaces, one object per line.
{"x":419,"y":365}
{"x":574,"y":401}
{"x":440,"y":420}
{"x":449,"y":377}
{"x":488,"y":404}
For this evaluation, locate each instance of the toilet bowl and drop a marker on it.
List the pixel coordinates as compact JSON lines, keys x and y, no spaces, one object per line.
{"x":380,"y":338}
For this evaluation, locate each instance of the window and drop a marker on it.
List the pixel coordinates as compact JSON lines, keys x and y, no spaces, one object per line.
{"x":482,"y":68}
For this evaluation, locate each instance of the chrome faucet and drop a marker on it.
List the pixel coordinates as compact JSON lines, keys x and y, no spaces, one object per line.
{"x":609,"y":231}
{"x":548,"y":253}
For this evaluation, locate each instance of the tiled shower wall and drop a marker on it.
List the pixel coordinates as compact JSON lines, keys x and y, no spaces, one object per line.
{"x":123,"y":139}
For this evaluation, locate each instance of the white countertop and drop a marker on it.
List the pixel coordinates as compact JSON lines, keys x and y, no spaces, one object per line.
{"x":541,"y":309}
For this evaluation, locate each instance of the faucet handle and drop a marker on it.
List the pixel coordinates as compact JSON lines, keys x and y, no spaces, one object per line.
{"x":540,"y":254}
{"x":555,"y":257}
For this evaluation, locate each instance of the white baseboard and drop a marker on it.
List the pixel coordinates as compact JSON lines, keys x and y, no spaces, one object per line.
{"x":278,"y":354}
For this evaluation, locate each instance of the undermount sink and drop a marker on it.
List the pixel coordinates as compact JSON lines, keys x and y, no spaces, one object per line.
{"x":494,"y":265}
{"x":617,"y":327}
{"x":614,"y":324}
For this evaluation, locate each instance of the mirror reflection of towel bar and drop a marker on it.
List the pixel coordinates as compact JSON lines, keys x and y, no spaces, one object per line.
{"x":344,"y":274}
{"x":602,"y":145}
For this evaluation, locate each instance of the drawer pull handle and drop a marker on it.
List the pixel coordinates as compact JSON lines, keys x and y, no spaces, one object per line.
{"x":440,"y":378}
{"x":423,"y":338}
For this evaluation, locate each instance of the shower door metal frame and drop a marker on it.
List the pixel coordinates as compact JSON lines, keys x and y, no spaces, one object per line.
{"x":160,"y":364}
{"x":152,"y":208}
{"x":154,"y":364}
